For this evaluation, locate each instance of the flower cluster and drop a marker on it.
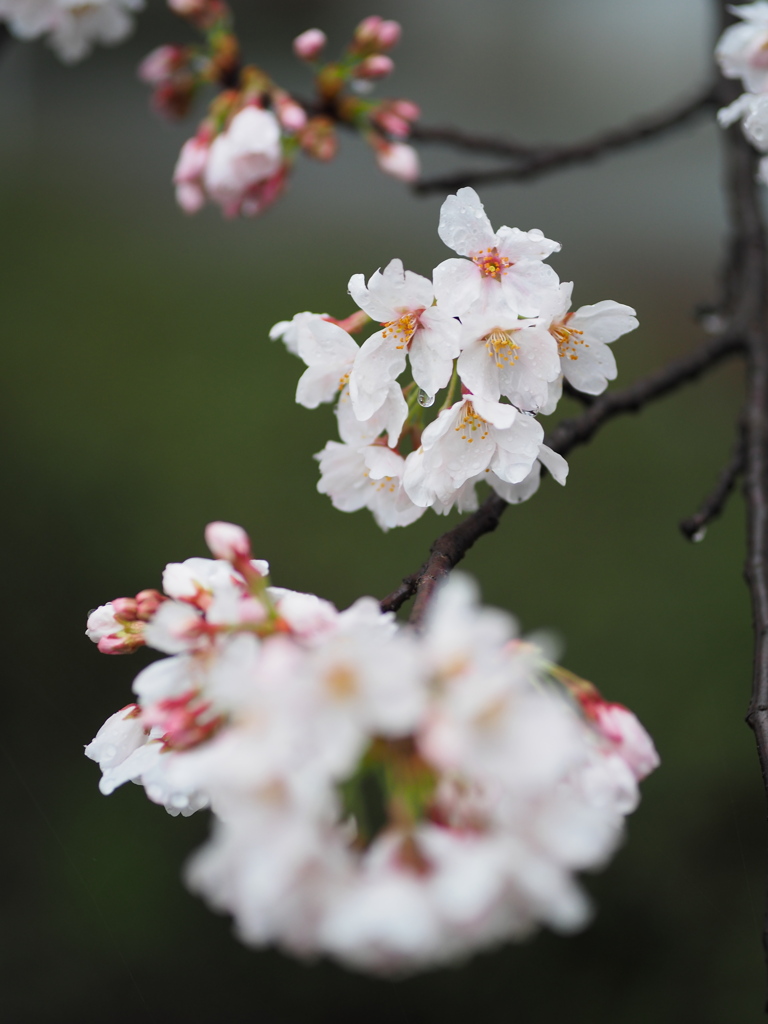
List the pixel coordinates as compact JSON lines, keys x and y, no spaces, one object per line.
{"x":494,"y":329}
{"x":70,"y":26}
{"x":244,"y":148}
{"x":742,"y":52}
{"x":393,"y":799}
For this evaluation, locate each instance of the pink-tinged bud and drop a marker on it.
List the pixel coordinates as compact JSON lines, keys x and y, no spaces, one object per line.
{"x":184,"y":720}
{"x":406,"y":109}
{"x":375,"y":66}
{"x":125,"y":608}
{"x":353,"y":323}
{"x":228,"y":541}
{"x":392,"y":124}
{"x":367,"y":32}
{"x":319,"y":138}
{"x":398,"y":159}
{"x":389,"y":34}
{"x":124,"y":642}
{"x":290,"y":115}
{"x":187,"y":8}
{"x":310,"y":44}
{"x":147,"y":603}
{"x":619,"y":725}
{"x":160,"y":64}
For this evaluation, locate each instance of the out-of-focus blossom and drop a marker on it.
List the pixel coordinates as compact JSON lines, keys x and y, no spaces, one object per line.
{"x":397,"y":159}
{"x":310,"y":44}
{"x":71,"y":27}
{"x":493,"y":786}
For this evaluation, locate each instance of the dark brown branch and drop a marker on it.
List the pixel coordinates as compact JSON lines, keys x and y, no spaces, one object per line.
{"x":747,"y":310}
{"x":694,"y":526}
{"x":477,"y":143}
{"x":542,"y":159}
{"x":451,"y":547}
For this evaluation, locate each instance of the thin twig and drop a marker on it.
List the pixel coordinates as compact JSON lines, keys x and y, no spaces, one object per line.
{"x":695,"y":526}
{"x":541,"y":159}
{"x":453,"y":545}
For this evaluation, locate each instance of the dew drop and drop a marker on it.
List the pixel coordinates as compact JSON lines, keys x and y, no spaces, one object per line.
{"x":426,"y":400}
{"x":699,"y":535}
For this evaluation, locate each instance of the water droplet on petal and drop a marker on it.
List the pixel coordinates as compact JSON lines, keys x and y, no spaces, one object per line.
{"x":700,"y":534}
{"x":426,"y":400}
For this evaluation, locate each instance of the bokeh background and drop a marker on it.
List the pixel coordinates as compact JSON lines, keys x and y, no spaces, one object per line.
{"x":142,"y":399}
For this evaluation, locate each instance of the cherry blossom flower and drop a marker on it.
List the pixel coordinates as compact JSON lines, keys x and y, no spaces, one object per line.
{"x":71,"y":26}
{"x":287,"y":331}
{"x":412,"y":328}
{"x":742,"y":50}
{"x":244,"y":165}
{"x":329,"y":353}
{"x":495,"y":786}
{"x":471,"y":438}
{"x":361,"y":472}
{"x":504,"y":355}
{"x":188,"y":175}
{"x":583,"y":337}
{"x":509,"y":260}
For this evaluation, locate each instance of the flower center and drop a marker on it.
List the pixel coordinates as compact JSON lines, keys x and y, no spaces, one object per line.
{"x":491,"y":264}
{"x":470,"y":423}
{"x":501,"y":346}
{"x":566,"y":338}
{"x":402,"y":330}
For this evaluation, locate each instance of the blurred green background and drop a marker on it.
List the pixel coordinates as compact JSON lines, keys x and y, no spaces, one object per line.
{"x":142,"y":399}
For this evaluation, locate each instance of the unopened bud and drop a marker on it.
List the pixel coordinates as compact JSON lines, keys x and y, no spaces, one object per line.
{"x":392,"y":124}
{"x":318,"y":139}
{"x":291,"y":115}
{"x":406,"y":109}
{"x":366,"y":33}
{"x":389,"y":34}
{"x":147,"y":603}
{"x":398,"y":159}
{"x":309,"y":44}
{"x":376,"y":66}
{"x":125,"y":608}
{"x":160,"y":64}
{"x":188,"y":8}
{"x":352,"y":323}
{"x":228,"y":541}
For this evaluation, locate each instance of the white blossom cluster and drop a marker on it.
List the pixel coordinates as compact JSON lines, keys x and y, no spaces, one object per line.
{"x":742,"y":52}
{"x":70,"y":26}
{"x":493,"y":329}
{"x":390,"y":798}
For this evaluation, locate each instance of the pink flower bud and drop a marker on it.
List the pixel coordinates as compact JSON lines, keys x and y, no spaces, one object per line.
{"x":309,"y":44}
{"x":147,"y":603}
{"x":187,"y":8}
{"x":389,"y":34}
{"x":184,"y":720}
{"x":124,"y":642}
{"x":228,"y":541}
{"x":406,"y":109}
{"x":291,"y":116}
{"x":398,"y":159}
{"x":375,"y":66}
{"x":392,"y":124}
{"x":366,"y":33}
{"x":125,"y":608}
{"x":353,"y":323}
{"x":635,"y":747}
{"x":160,"y":64}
